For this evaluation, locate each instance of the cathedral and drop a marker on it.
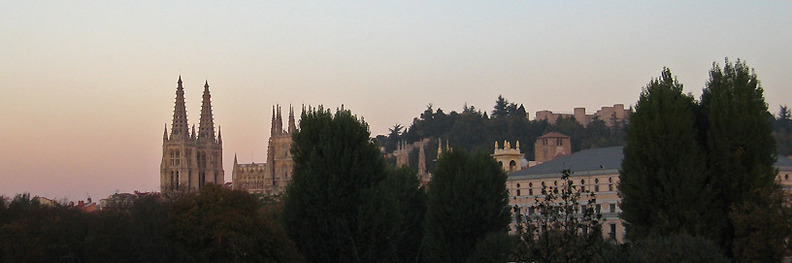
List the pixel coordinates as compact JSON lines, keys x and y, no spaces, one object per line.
{"x":272,"y":177}
{"x":190,"y":160}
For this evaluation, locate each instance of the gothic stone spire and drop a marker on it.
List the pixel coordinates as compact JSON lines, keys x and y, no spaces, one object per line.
{"x":292,"y":124}
{"x":179,"y":125}
{"x":206,"y":124}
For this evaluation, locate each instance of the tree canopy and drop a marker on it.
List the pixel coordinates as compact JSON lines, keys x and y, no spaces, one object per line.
{"x":662,"y":180}
{"x":467,"y":200}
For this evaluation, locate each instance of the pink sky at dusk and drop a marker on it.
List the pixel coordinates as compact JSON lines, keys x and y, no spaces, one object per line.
{"x":86,"y":88}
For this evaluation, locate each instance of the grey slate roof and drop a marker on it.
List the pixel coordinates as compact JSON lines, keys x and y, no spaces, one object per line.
{"x":586,"y":162}
{"x":594,"y":162}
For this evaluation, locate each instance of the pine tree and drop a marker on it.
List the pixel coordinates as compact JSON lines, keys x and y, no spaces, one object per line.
{"x":335,"y":208}
{"x":662,"y":181}
{"x":466,"y":201}
{"x":501,"y":108}
{"x":739,"y":143}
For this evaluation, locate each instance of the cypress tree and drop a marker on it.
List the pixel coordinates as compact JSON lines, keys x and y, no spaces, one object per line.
{"x":662,"y":181}
{"x":467,"y":200}
{"x":335,"y":209}
{"x":739,"y":143}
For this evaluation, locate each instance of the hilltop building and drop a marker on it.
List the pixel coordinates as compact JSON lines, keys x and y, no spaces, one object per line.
{"x":190,"y":160}
{"x":610,"y":115}
{"x":274,"y":175}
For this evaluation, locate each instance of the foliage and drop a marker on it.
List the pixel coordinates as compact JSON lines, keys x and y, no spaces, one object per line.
{"x":730,"y":133}
{"x":466,"y":201}
{"x":662,"y":181}
{"x":472,"y":130}
{"x":335,"y":208}
{"x":676,"y":248}
{"x":736,"y":130}
{"x":32,"y":232}
{"x":149,"y":228}
{"x":409,"y":199}
{"x":557,"y":228}
{"x":782,"y":131}
{"x":763,"y":226}
{"x":222,"y":225}
{"x":495,"y":248}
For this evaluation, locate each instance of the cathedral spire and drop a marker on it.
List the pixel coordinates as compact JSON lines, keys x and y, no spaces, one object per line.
{"x":165,"y":136}
{"x":219,"y":135}
{"x":279,"y":121}
{"x":206,"y":124}
{"x":273,"y":128}
{"x":292,"y":125}
{"x":179,"y":125}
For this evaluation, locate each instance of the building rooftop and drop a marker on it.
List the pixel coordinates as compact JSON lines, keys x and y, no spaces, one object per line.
{"x":595,"y":161}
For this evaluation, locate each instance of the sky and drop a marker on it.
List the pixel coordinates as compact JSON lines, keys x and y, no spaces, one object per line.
{"x":87,"y":87}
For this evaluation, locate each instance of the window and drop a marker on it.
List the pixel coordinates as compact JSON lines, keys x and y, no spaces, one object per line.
{"x":598,"y":209}
{"x":610,"y":184}
{"x":596,"y":184}
{"x":613,"y":208}
{"x":786,"y":177}
{"x":612,"y":232}
{"x":175,"y":158}
{"x":582,"y":185}
{"x":559,"y":141}
{"x":531,"y":210}
{"x":518,"y":192}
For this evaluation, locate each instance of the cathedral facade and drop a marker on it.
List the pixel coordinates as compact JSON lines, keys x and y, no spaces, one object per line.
{"x":190,"y":160}
{"x":272,"y":177}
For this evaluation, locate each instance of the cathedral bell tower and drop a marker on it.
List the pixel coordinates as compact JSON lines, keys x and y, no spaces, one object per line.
{"x":190,"y":161}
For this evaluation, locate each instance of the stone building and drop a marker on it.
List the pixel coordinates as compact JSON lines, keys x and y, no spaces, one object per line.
{"x":550,"y":146}
{"x":610,"y":115}
{"x":274,"y":175}
{"x":190,"y":160}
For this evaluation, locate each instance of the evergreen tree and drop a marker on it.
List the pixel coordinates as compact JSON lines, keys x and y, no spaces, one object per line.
{"x":662,"y":181}
{"x":783,"y":131}
{"x":410,"y":202}
{"x":466,"y":201}
{"x":738,"y":136}
{"x":501,"y":108}
{"x":335,"y":208}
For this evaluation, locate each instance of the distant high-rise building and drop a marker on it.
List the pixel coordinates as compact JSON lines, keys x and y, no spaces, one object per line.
{"x":190,"y":161}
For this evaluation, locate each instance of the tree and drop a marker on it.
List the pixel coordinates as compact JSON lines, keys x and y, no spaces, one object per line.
{"x":501,"y":108}
{"x":557,"y":228}
{"x":335,"y":208}
{"x":467,"y":200}
{"x":737,"y":133}
{"x":783,"y":131}
{"x":662,"y":180}
{"x":223,"y":225}
{"x":409,"y":199}
{"x":763,"y":226}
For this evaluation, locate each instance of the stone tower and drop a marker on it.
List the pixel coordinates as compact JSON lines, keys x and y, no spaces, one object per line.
{"x":551,"y":146}
{"x":190,"y":161}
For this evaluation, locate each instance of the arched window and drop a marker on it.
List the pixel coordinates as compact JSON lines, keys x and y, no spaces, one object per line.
{"x":512,"y":165}
{"x":530,"y":189}
{"x":610,"y":184}
{"x":582,"y":185}
{"x":596,"y":184}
